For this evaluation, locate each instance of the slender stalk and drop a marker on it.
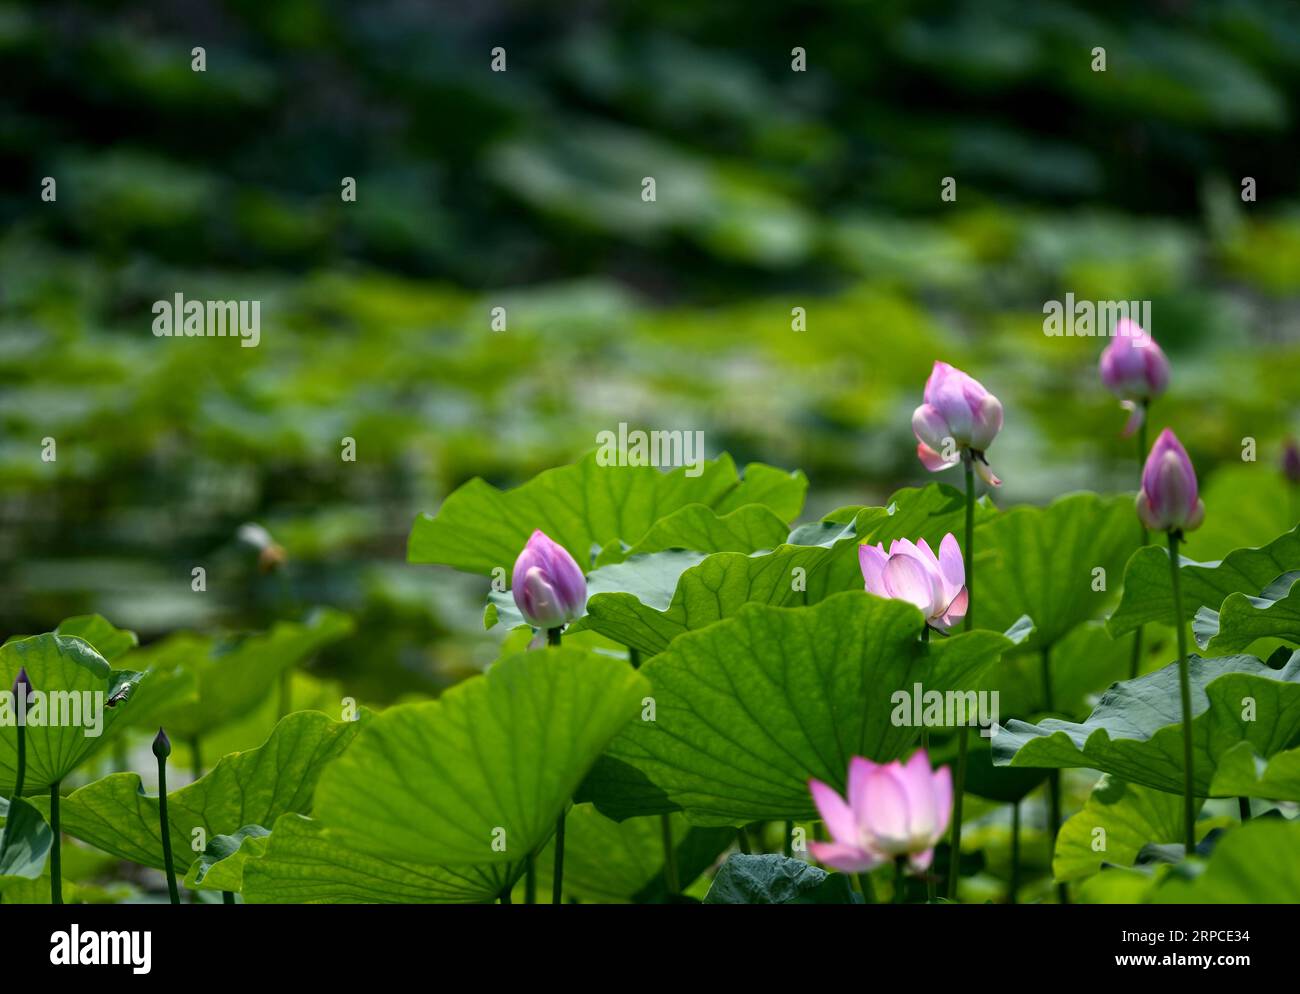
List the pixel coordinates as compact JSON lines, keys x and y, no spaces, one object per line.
{"x":898,"y":879}
{"x":557,"y":879}
{"x":959,"y":777}
{"x":1135,"y":664}
{"x":164,"y":825}
{"x":1243,"y":807}
{"x":671,"y":880}
{"x":742,"y":840}
{"x":530,"y":880}
{"x":864,"y":885}
{"x":552,"y":636}
{"x":196,"y":758}
{"x":1185,"y":693}
{"x":787,"y":848}
{"x":22,"y":760}
{"x":1013,"y":890}
{"x":925,"y":731}
{"x":504,"y":897}
{"x":634,"y":657}
{"x":227,"y":897}
{"x":56,"y":850}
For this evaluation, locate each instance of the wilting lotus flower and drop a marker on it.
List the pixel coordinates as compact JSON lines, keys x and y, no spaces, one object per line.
{"x":1291,"y":461}
{"x":1134,"y":369}
{"x":894,"y":809}
{"x":958,"y":416}
{"x":1168,"y":499}
{"x":549,"y":588}
{"x":913,"y":573}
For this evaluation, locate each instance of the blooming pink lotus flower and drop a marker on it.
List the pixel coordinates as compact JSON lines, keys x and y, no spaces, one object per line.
{"x":547,"y":584}
{"x":913,"y":573}
{"x":1134,"y":369}
{"x":958,"y":416}
{"x":1168,"y":499}
{"x":894,"y":809}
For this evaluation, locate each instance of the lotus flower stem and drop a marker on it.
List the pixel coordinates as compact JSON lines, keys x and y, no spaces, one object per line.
{"x":787,"y":848}
{"x":742,"y":840}
{"x":227,"y":897}
{"x":1185,"y":693}
{"x":22,"y":688}
{"x":56,"y":850}
{"x":899,"y":863}
{"x":864,"y":885}
{"x":959,"y":775}
{"x":504,"y":897}
{"x":196,"y":758}
{"x":671,"y":879}
{"x":162,"y":748}
{"x":22,"y":760}
{"x":530,"y":880}
{"x":1243,"y":807}
{"x":1013,"y":889}
{"x":553,"y":636}
{"x":557,"y":878}
{"x":1136,"y":665}
{"x":634,"y":657}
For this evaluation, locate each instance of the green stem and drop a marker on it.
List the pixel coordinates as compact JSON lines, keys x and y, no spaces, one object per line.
{"x":165,"y":829}
{"x":1243,"y":807}
{"x":1135,"y":665}
{"x":504,"y":898}
{"x":634,"y":657}
{"x":196,"y":758}
{"x":22,"y":760}
{"x":742,"y":839}
{"x":1185,"y":693}
{"x":959,"y":777}
{"x":552,"y":636}
{"x":56,"y":850}
{"x":787,"y":848}
{"x":1014,"y":888}
{"x":227,"y":897}
{"x":530,"y":880}
{"x":868,"y":892}
{"x":898,"y":879}
{"x":557,"y":879}
{"x":671,"y":880}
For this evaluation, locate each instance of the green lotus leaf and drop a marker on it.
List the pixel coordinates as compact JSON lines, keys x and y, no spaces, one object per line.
{"x":702,"y":529}
{"x":25,"y":842}
{"x":586,"y":508}
{"x":1148,"y":590}
{"x":304,"y":863}
{"x":1244,"y":773}
{"x":245,"y":788}
{"x":1254,"y":863}
{"x":481,"y":774}
{"x":747,"y":710}
{"x":1242,"y":619}
{"x":221,"y":865}
{"x":1135,"y":731}
{"x":84,"y":702}
{"x":106,"y":639}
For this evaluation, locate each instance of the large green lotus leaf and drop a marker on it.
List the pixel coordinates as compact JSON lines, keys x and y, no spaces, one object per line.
{"x":102,"y":636}
{"x":1148,"y":590}
{"x":1041,"y":562}
{"x":587,"y":507}
{"x":702,"y":529}
{"x":25,"y":842}
{"x":76,"y":685}
{"x":1254,"y":863}
{"x":1244,"y":773}
{"x":747,"y":710}
{"x":770,"y":878}
{"x":1248,"y":504}
{"x":229,"y":676}
{"x":481,"y":774}
{"x":1135,"y":731}
{"x":1241,"y":619}
{"x":304,"y":863}
{"x":1117,"y":821}
{"x":1082,"y":664}
{"x":245,"y":788}
{"x":221,"y":865}
{"x":609,"y":861}
{"x":817,"y":561}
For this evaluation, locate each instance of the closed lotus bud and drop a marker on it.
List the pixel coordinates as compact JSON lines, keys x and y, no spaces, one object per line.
{"x":1134,"y":369}
{"x":548,"y":586}
{"x":22,"y":685}
{"x":1169,"y":500}
{"x":1291,"y":460}
{"x":162,"y":745}
{"x":958,"y":415}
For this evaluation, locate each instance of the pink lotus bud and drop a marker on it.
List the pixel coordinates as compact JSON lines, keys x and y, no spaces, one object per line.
{"x":958,"y":415}
{"x":548,"y":586}
{"x":1134,"y":369}
{"x":1291,"y":460}
{"x":895,"y":809}
{"x":913,"y":573}
{"x":1168,"y":500}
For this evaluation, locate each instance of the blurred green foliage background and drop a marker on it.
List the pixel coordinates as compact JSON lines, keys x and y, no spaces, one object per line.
{"x":522,"y":189}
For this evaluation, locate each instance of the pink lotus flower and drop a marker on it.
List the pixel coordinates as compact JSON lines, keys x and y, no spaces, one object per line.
{"x":1168,"y":500}
{"x":913,"y":573}
{"x":1134,"y":369}
{"x":892,"y":810}
{"x":547,"y":584}
{"x":958,"y":416}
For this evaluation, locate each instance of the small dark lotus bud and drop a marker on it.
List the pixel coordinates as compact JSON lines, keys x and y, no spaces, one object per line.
{"x":22,"y":685}
{"x":162,"y":745}
{"x":1291,"y":460}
